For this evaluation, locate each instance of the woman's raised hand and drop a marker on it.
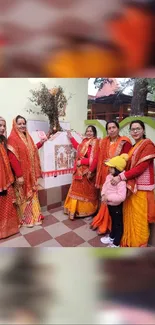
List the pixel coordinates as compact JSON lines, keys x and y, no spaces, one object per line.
{"x":69,"y":134}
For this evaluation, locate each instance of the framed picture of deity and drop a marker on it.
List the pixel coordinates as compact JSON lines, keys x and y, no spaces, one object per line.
{"x":64,"y":156}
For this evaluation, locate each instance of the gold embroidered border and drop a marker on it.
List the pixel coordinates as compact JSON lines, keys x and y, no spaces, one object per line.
{"x":76,"y":197}
{"x":93,"y":144}
{"x":130,"y":188}
{"x":12,"y":150}
{"x":134,"y":152}
{"x":145,"y":158}
{"x":72,"y":215}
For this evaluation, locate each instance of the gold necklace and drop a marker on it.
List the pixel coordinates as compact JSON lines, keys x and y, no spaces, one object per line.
{"x":111,"y":142}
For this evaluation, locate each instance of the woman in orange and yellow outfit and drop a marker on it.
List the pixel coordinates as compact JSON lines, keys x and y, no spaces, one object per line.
{"x":82,"y":198}
{"x":139,"y":207}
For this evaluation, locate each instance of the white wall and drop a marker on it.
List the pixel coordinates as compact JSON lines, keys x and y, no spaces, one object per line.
{"x":14,"y":93}
{"x":99,"y":131}
{"x":47,"y":158}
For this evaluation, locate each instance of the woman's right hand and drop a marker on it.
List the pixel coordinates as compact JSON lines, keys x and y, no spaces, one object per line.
{"x":69,"y":134}
{"x":115,"y":180}
{"x":20,"y":181}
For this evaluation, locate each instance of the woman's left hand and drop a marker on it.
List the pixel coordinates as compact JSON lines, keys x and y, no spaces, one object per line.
{"x":48,"y":135}
{"x":115,"y":180}
{"x":78,"y":163}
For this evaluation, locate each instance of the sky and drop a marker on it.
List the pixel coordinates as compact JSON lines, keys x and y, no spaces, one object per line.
{"x":92,"y":90}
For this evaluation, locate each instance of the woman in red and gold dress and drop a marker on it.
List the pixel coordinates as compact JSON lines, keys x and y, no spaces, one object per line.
{"x":25,"y":162}
{"x":82,"y":198}
{"x":9,"y":223}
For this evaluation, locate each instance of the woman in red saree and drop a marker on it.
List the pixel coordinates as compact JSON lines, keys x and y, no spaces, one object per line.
{"x":139,"y":207}
{"x":25,"y":162}
{"x":82,"y":198}
{"x":111,"y":146}
{"x":9,"y":224}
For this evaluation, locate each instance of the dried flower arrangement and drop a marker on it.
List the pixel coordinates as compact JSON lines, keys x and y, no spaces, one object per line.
{"x":52,"y":103}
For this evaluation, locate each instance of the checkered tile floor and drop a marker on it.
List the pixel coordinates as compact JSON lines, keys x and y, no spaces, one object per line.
{"x":57,"y":231}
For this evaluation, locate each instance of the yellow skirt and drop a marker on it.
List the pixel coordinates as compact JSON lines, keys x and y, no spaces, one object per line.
{"x":135,"y":218}
{"x":77,"y":208}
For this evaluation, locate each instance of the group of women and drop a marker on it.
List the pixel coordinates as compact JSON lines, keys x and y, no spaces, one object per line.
{"x":19,"y":172}
{"x":90,"y":173}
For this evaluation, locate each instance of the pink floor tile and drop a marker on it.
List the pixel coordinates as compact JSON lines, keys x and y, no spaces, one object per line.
{"x":74,"y":224}
{"x":37,"y":237}
{"x":49,"y":220}
{"x":69,"y":240}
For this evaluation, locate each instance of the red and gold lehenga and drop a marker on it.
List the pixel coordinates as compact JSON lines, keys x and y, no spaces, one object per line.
{"x":23,"y":153}
{"x":82,"y":198}
{"x":9,"y":223}
{"x":139,"y":207}
{"x":102,"y":221}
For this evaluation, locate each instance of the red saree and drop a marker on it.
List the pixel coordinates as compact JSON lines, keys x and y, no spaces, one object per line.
{"x":8,"y":214}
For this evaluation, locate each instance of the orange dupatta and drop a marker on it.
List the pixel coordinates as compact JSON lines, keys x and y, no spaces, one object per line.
{"x":82,"y":149}
{"x":23,"y":147}
{"x":6,"y":176}
{"x":108,"y":151}
{"x":142,"y":151}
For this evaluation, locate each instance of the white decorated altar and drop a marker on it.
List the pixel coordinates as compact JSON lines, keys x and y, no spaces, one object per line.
{"x":57,"y":159}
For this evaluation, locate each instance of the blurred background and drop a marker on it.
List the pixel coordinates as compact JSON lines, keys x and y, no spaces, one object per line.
{"x":72,"y":38}
{"x":127,"y":290}
{"x":48,"y":286}
{"x":77,"y":286}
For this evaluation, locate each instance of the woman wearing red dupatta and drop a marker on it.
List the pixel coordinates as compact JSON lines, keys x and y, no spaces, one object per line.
{"x":139,"y":207}
{"x":25,"y":162}
{"x":82,"y":198}
{"x":111,"y":146}
{"x":9,"y":224}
